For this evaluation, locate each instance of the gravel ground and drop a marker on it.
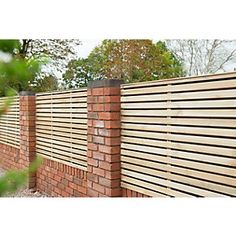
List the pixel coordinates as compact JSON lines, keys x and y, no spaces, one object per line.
{"x":24,"y":192}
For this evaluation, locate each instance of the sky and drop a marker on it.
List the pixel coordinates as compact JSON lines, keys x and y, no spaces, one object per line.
{"x":87,"y":46}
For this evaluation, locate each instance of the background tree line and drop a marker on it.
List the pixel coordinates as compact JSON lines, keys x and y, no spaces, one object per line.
{"x":59,"y":66}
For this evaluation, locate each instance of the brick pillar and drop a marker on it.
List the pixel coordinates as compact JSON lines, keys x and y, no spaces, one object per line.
{"x":27,"y":133}
{"x":103,"y":177}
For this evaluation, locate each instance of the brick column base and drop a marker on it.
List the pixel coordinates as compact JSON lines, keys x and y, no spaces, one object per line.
{"x":104,"y":128}
{"x":27,"y":133}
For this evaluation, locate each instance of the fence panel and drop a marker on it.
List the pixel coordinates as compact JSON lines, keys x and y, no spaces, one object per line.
{"x":179,"y":136}
{"x":61,"y":127}
{"x":10,"y":124}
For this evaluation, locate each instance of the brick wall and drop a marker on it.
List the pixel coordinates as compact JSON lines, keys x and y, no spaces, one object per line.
{"x":9,"y":157}
{"x":56,"y":179}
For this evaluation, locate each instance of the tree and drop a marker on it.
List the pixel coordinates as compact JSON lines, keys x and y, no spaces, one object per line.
{"x":15,"y":72}
{"x":130,"y":60}
{"x":52,"y":56}
{"x":58,"y":51}
{"x":204,"y":56}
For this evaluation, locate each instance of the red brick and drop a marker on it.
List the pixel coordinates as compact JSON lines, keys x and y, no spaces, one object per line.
{"x":77,"y":181}
{"x":90,"y":107}
{"x":99,"y":188}
{"x":64,"y":194}
{"x":112,"y":99}
{"x":112,"y":158}
{"x":112,"y":124}
{"x":92,"y":115}
{"x":61,"y":186}
{"x":112,"y":91}
{"x":105,"y":165}
{"x":89,"y":183}
{"x":82,"y":189}
{"x":92,"y":162}
{"x":112,"y":175}
{"x":109,"y":115}
{"x":100,"y":99}
{"x":92,"y":177}
{"x":98,"y":123}
{"x":129,"y":193}
{"x":98,"y":107}
{"x":89,"y":92}
{"x":98,"y":156}
{"x":92,"y":193}
{"x":57,"y":178}
{"x":110,"y":141}
{"x":57,"y":190}
{"x":90,"y":122}
{"x":109,"y":132}
{"x":116,"y":192}
{"x":91,"y":99}
{"x":98,"y":171}
{"x":89,"y":153}
{"x":112,"y":107}
{"x":69,"y":190}
{"x":109,"y":149}
{"x":109,"y":183}
{"x":98,"y":139}
{"x":97,"y":91}
{"x":92,"y":146}
{"x":72,"y":185}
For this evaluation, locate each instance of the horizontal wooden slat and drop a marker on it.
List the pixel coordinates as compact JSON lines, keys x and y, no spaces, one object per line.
{"x":181,"y":80}
{"x":46,"y":107}
{"x":189,"y":162}
{"x":58,"y":115}
{"x":215,"y":94}
{"x":209,"y":85}
{"x":66,"y":120}
{"x":230,"y":103}
{"x":68,"y":138}
{"x":61,"y":126}
{"x":181,"y":121}
{"x":67,"y":162}
{"x":173,"y":167}
{"x":60,"y":129}
{"x":198,"y":139}
{"x":203,"y":148}
{"x":41,"y":142}
{"x":182,"y":129}
{"x":63,"y":110}
{"x":180,"y":134}
{"x":52,"y":133}
{"x":9,"y":124}
{"x":224,"y":113}
{"x":178,"y":186}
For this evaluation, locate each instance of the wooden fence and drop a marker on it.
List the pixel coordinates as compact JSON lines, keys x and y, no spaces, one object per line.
{"x":9,"y":124}
{"x":61,"y":127}
{"x":179,"y":136}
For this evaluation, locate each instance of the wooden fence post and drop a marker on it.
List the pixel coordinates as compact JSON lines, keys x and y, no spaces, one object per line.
{"x":104,"y":128}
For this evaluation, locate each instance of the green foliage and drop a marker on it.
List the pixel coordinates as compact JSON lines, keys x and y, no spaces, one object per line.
{"x":13,"y":180}
{"x":9,"y":46}
{"x":130,"y":60}
{"x":46,"y":84}
{"x":16,"y":72}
